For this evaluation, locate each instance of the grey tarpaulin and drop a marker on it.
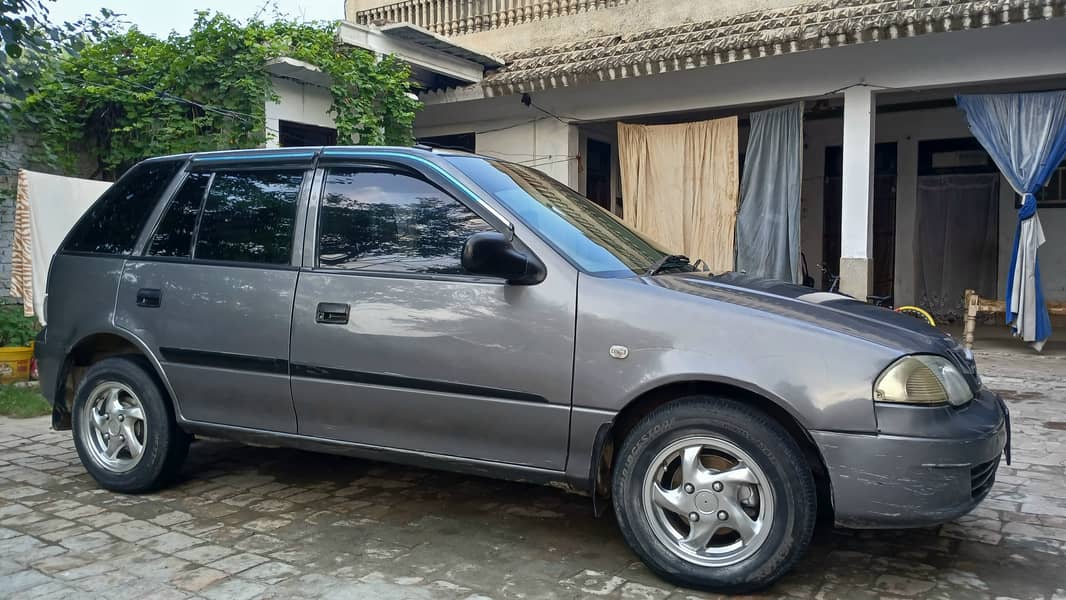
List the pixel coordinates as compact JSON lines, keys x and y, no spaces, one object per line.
{"x":768,"y":226}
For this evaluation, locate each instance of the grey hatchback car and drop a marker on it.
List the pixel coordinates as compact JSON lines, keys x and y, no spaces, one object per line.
{"x":450,"y":310}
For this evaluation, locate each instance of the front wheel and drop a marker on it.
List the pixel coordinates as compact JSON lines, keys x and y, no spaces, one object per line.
{"x":714,"y":494}
{"x":124,"y":429}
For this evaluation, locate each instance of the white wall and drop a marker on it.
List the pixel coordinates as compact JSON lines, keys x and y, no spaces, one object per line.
{"x":300,"y":103}
{"x":1052,"y":254}
{"x":546,"y":144}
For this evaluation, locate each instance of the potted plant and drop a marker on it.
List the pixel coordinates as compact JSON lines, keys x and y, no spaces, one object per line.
{"x":17,"y":333}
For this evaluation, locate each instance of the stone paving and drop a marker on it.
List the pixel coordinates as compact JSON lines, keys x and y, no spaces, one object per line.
{"x":249,"y":522}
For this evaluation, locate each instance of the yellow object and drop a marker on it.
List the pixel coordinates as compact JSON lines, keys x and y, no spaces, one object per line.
{"x":914,"y":311}
{"x":15,"y":363}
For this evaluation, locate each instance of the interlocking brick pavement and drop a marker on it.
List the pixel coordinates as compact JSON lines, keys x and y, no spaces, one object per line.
{"x":248,"y":522}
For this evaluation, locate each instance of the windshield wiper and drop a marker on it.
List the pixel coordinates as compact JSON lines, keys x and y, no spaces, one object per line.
{"x":670,"y":260}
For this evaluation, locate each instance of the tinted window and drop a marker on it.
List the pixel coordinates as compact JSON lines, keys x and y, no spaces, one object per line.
{"x":112,"y":224}
{"x":173,"y":237}
{"x":248,"y":216}
{"x":388,"y":221}
{"x":590,"y":236}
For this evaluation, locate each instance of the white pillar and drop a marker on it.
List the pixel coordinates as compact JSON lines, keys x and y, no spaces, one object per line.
{"x":856,"y":227}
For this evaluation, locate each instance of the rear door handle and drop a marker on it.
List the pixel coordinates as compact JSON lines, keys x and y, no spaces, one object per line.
{"x":149,"y":297}
{"x":332,"y":313}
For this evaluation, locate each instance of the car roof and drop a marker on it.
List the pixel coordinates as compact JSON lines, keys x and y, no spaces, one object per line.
{"x":304,"y":152}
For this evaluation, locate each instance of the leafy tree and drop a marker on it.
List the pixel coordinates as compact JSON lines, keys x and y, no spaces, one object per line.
{"x":130,"y":95}
{"x":27,"y":38}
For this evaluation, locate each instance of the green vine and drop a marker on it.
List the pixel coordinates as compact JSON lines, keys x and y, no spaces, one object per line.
{"x":128,"y":95}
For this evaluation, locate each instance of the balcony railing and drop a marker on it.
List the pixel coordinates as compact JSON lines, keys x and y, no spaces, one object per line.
{"x":459,"y":17}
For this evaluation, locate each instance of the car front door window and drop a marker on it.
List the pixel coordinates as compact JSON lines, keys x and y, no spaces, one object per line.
{"x":378,"y":220}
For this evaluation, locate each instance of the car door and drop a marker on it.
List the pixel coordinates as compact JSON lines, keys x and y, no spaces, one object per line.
{"x":212,"y":292}
{"x":394,"y":345}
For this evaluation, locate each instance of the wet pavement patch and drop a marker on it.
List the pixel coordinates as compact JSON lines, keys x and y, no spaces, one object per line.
{"x":250,"y":522}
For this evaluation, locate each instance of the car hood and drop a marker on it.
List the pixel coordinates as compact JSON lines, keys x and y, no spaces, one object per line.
{"x":833,"y":312}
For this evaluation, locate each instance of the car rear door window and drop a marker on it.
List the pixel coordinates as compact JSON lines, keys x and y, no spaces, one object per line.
{"x":173,"y":236}
{"x":381,"y":220}
{"x":113,"y":223}
{"x":249,"y":216}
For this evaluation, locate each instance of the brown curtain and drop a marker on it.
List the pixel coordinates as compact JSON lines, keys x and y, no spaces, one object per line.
{"x":680,"y":185}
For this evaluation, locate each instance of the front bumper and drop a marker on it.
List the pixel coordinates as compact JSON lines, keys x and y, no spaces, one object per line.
{"x":941,"y":470}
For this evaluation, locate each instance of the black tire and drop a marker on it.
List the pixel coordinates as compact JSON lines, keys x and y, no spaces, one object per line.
{"x":164,"y":444}
{"x":773,"y":450}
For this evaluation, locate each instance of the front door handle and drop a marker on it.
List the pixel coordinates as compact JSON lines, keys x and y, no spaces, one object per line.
{"x":332,"y":313}
{"x":149,"y":297}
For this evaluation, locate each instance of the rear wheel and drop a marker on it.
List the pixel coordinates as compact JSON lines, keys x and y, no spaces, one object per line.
{"x":714,"y":494}
{"x":124,"y":429}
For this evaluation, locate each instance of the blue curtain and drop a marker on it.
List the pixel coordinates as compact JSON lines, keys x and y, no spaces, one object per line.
{"x":768,"y":222}
{"x":1025,"y":134}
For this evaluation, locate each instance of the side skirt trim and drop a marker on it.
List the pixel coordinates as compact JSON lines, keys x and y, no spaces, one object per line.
{"x":469,"y":466}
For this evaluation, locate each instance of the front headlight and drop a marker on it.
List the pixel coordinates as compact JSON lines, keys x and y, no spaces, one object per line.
{"x":922,"y":379}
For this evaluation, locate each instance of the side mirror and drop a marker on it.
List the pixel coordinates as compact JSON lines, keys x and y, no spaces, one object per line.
{"x":491,"y":253}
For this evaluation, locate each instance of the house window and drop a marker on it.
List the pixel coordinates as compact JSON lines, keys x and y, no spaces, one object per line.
{"x":292,"y":134}
{"x":1053,"y":194}
{"x":955,"y":156}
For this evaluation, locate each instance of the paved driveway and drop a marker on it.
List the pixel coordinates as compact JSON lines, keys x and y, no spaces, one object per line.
{"x":257,"y":522}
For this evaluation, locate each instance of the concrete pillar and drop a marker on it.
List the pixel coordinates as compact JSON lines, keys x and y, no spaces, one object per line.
{"x":856,"y":227}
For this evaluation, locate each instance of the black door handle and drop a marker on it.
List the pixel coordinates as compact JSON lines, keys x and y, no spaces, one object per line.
{"x":149,"y":297}
{"x":332,"y":313}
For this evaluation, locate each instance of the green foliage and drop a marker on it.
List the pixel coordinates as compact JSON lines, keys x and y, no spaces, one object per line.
{"x":27,"y":37}
{"x":16,"y":329}
{"x":28,"y":42}
{"x":129,"y":95}
{"x":22,"y":402}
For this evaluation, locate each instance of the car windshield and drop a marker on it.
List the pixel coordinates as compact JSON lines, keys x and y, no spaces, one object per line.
{"x":589,"y":236}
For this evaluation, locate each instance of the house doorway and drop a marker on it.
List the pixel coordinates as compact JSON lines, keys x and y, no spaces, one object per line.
{"x":884,"y":215}
{"x":464,"y":142}
{"x":957,"y":219}
{"x":292,"y":134}
{"x":598,"y":173}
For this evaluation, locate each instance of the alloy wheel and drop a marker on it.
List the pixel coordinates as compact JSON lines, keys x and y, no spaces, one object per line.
{"x":708,"y":501}
{"x":113,"y":427}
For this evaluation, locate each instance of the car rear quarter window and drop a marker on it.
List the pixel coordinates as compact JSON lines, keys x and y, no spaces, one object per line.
{"x":173,"y":236}
{"x":249,"y":216}
{"x":113,"y":223}
{"x":391,"y":221}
